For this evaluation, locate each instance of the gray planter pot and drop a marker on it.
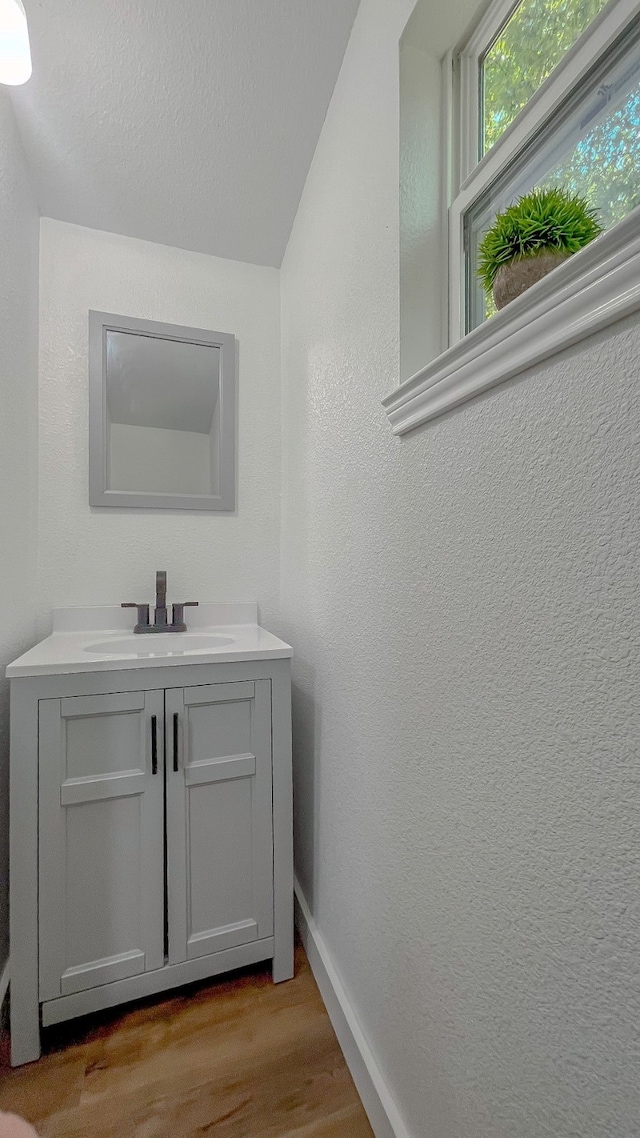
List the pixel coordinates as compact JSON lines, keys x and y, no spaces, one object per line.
{"x":519,"y":275}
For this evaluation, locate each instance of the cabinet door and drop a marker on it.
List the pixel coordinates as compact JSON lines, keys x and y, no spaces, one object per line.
{"x":101,"y":839}
{"x":219,"y":817}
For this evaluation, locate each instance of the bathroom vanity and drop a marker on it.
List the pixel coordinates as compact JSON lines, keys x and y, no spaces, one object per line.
{"x":151,"y":828}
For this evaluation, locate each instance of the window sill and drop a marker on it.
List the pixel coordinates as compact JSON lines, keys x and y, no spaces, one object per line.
{"x":591,"y":290}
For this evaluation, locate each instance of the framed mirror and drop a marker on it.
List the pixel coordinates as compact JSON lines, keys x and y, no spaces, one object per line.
{"x":161,"y":415}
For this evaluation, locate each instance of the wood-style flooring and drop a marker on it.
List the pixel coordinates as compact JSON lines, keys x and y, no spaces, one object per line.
{"x":237,"y":1057}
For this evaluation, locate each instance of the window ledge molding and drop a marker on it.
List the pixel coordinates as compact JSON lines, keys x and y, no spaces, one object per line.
{"x":591,"y":290}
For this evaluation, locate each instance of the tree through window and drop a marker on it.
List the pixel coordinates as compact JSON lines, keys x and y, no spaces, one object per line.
{"x":535,"y":38}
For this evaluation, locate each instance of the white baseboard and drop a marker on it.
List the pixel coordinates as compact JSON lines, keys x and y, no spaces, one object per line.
{"x":4,"y":982}
{"x":381,"y":1110}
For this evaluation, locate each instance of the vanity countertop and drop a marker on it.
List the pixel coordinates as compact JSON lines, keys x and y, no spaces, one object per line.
{"x":102,"y":640}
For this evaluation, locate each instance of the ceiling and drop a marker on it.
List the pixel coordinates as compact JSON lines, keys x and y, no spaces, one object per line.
{"x":186,"y":122}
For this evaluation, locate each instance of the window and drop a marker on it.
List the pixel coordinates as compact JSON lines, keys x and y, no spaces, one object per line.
{"x":534,"y":39}
{"x":548,"y":93}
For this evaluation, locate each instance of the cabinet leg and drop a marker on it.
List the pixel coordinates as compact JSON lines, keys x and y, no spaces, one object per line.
{"x":283,"y":964}
{"x":23,"y":897}
{"x":25,"y":1032}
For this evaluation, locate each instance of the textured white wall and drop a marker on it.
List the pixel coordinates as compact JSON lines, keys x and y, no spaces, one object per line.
{"x":103,"y":556}
{"x":18,"y":421}
{"x":464,"y":607}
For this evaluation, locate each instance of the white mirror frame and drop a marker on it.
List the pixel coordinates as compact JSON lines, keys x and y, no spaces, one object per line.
{"x":100,"y":323}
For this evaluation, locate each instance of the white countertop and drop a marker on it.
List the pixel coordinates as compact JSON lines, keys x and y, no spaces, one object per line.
{"x":102,"y":640}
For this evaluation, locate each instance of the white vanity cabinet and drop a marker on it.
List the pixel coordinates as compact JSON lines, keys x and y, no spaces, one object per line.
{"x":150,"y":832}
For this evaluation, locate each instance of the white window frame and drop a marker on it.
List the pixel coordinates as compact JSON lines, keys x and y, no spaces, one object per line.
{"x":590,"y":290}
{"x":467,"y":60}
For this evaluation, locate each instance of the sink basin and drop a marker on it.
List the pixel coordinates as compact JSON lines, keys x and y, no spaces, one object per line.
{"x":158,"y":644}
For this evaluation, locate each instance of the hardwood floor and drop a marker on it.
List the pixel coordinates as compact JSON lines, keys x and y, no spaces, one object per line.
{"x":234,"y":1058}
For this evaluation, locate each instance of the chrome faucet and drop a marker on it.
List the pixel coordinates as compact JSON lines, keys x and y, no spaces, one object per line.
{"x":160,"y":615}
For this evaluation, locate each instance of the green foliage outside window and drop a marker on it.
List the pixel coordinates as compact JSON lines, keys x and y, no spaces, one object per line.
{"x":604,"y":166}
{"x":534,"y":40}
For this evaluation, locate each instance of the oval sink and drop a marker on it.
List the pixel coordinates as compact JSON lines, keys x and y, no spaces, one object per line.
{"x":158,"y":644}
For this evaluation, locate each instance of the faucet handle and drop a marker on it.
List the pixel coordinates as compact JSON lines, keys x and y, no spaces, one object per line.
{"x":177,"y":622}
{"x":143,"y":615}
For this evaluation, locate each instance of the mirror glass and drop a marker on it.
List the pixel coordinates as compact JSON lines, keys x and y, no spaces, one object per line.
{"x":162,"y":414}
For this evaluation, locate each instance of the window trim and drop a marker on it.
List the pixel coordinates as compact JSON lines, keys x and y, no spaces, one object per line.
{"x":468,"y":59}
{"x":590,"y":291}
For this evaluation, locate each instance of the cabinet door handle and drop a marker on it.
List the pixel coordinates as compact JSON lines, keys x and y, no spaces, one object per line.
{"x":154,"y":744}
{"x":176,"y":728}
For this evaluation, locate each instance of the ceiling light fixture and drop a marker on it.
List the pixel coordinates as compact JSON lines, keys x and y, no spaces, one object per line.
{"x":15,"y":54}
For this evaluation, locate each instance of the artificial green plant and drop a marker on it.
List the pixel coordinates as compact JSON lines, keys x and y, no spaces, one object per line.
{"x":542,"y":221}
